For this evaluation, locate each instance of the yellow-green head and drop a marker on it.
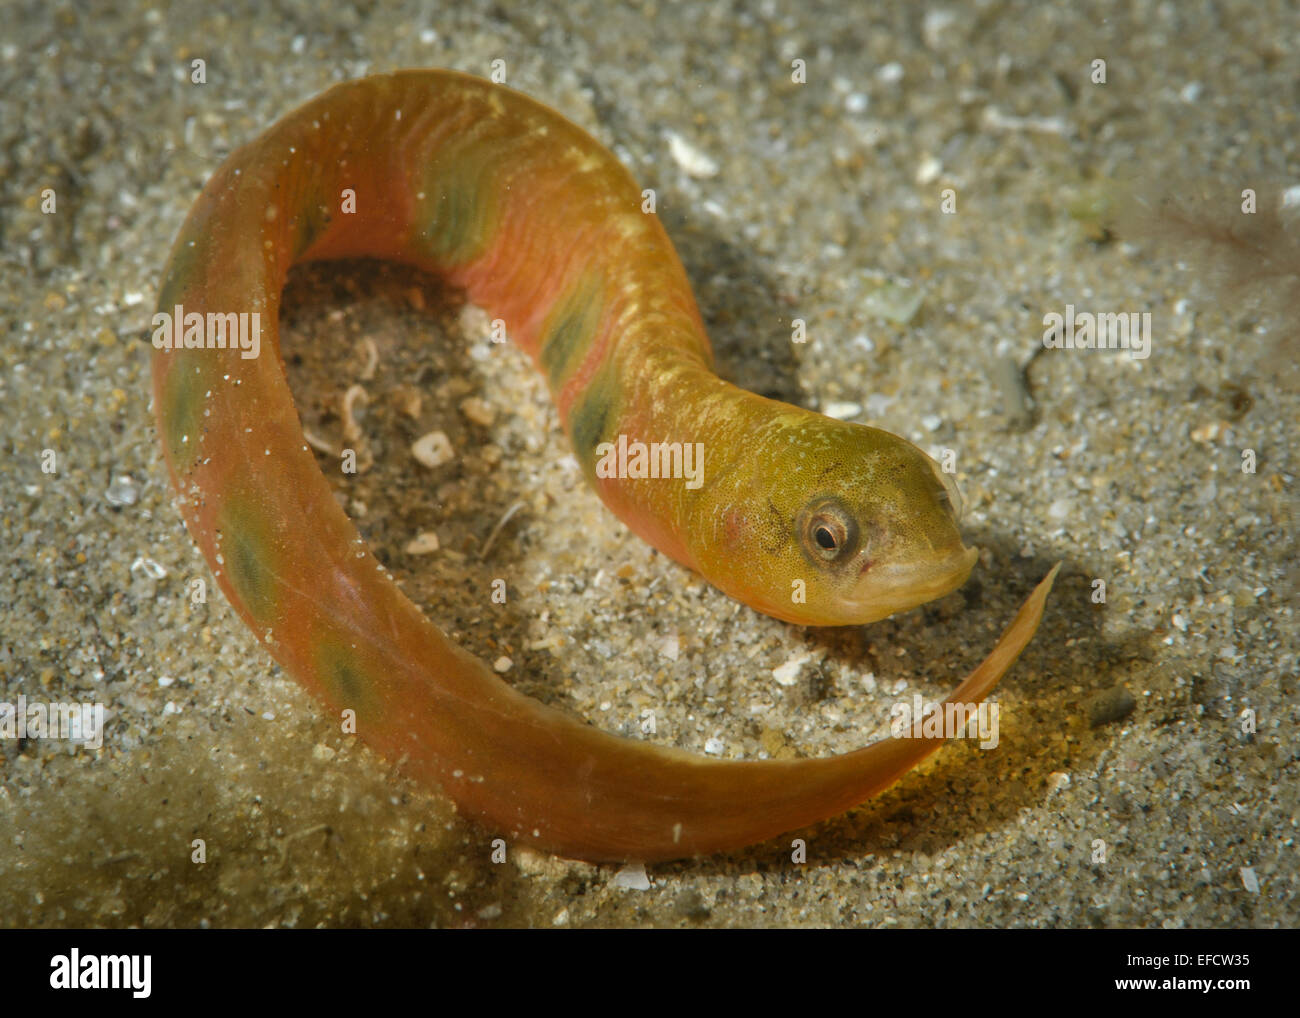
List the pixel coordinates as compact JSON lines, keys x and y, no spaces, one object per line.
{"x":825,"y":522}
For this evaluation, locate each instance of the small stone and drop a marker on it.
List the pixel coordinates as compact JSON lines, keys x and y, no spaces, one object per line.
{"x":475,"y":322}
{"x":1110,"y":705}
{"x":408,"y":401}
{"x":433,"y":450}
{"x":478,"y":411}
{"x":424,"y":543}
{"x":935,"y":24}
{"x":788,"y":673}
{"x":502,"y":665}
{"x":122,"y":491}
{"x":929,"y":170}
{"x":671,"y":648}
{"x":1209,"y":432}
{"x":842,"y":411}
{"x":632,"y":877}
{"x":890,"y":73}
{"x":772,"y":741}
{"x":1249,"y":880}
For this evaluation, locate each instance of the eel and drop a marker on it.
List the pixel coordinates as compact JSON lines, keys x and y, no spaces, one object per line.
{"x":811,"y":520}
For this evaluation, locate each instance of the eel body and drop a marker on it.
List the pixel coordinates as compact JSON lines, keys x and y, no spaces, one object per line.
{"x":808,"y":519}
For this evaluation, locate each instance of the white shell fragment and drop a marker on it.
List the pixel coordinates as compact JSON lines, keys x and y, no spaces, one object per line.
{"x":691,"y":159}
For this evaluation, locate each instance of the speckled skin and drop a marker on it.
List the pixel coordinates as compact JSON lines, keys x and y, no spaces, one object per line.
{"x":544,"y":228}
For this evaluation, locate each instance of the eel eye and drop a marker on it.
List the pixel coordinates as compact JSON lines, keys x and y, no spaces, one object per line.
{"x":828,"y":532}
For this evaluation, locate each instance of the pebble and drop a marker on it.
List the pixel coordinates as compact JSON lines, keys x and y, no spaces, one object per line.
{"x":424,"y":543}
{"x":478,"y":411}
{"x":122,"y":491}
{"x":842,"y":411}
{"x":857,"y":102}
{"x":1209,"y":432}
{"x":408,"y":401}
{"x":1110,"y":705}
{"x":788,"y":673}
{"x":632,"y":877}
{"x":935,"y":24}
{"x":433,"y":449}
{"x":671,"y":647}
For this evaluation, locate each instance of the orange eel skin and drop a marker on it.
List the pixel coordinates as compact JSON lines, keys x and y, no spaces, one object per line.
{"x":809,"y":519}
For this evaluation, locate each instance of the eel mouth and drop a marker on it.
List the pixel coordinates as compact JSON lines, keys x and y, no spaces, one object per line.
{"x":886,"y":589}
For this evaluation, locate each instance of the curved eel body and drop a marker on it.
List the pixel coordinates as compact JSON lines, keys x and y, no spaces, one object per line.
{"x":803,"y":517}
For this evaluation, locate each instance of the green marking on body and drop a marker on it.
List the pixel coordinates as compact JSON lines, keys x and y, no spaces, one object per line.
{"x":184,"y":397}
{"x":571,"y":328}
{"x":342,"y":675}
{"x":249,"y":554}
{"x":594,"y":417}
{"x":311,"y":221}
{"x":190,"y":254}
{"x":458,"y":215}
